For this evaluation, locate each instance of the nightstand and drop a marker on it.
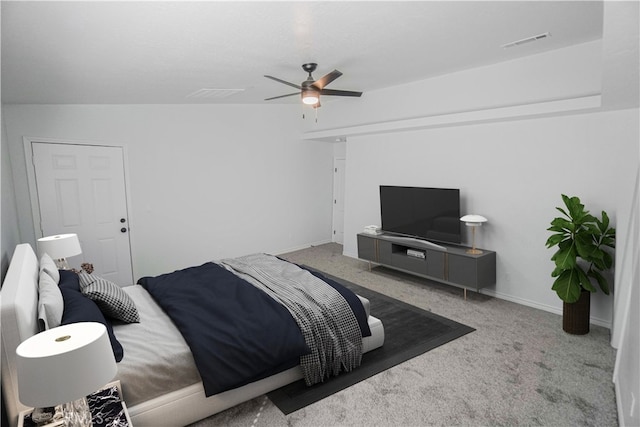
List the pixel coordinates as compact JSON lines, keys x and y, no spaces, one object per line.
{"x":107,"y":408}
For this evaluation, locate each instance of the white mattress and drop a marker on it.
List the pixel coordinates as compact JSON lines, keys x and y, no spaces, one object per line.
{"x":157,"y":359}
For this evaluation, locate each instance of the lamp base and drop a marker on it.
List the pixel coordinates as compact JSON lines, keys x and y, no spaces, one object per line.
{"x":77,"y":413}
{"x":62,"y":264}
{"x":43,"y":415}
{"x":474,"y":251}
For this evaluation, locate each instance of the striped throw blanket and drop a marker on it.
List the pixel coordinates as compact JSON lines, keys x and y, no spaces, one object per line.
{"x":328,"y":324}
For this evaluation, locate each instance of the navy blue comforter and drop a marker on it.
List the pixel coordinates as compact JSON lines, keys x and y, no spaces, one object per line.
{"x":236,"y":332}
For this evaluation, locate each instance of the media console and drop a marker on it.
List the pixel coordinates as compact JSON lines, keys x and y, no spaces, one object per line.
{"x":446,"y":263}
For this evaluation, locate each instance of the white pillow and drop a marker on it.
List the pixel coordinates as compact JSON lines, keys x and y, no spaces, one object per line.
{"x":50,"y":302}
{"x":48,"y":265}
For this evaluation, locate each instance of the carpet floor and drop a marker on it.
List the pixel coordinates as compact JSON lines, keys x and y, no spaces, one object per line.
{"x":517,"y":368}
{"x":409,"y":332}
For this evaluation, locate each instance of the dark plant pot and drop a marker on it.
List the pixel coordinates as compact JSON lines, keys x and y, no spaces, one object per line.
{"x":575,"y":315}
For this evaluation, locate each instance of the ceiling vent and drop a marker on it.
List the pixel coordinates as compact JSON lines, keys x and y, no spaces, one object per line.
{"x":214,"y":93}
{"x":527,"y":40}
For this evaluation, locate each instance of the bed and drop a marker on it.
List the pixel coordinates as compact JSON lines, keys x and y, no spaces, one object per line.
{"x":150,"y":402}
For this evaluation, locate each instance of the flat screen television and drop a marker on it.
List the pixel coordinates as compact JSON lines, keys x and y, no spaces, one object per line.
{"x":426,"y":213}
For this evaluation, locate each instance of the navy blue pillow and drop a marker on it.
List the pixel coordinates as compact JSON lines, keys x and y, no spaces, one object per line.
{"x":69,"y":280}
{"x":78,"y":308}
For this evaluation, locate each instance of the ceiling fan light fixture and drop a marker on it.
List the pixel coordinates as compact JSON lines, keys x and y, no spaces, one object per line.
{"x":310,"y":96}
{"x":311,"y":89}
{"x":310,"y":100}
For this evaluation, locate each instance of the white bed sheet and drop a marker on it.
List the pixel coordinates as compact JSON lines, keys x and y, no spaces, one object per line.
{"x":157,"y":359}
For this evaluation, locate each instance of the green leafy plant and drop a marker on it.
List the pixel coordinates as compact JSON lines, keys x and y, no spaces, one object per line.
{"x":582,"y":240}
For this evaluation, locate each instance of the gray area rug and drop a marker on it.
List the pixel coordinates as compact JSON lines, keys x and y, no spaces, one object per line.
{"x":409,"y":332}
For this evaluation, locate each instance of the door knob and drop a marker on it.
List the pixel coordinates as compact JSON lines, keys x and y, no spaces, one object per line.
{"x":122,"y":220}
{"x":123,"y":230}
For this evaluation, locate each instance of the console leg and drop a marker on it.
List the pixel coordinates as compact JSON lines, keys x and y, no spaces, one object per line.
{"x":465,"y":294}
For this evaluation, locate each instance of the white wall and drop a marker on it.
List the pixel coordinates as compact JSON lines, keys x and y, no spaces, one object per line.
{"x":626,"y":336}
{"x":9,"y":236}
{"x":513,"y":173}
{"x":205,"y":182}
{"x":564,"y":74}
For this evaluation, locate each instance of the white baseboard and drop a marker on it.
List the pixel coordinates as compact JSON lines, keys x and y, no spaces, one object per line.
{"x":537,"y":305}
{"x":297,"y":248}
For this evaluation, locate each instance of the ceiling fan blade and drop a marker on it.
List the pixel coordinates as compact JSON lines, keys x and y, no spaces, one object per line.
{"x":282,"y":96}
{"x":283,"y":82}
{"x":325,"y":80}
{"x":334,"y":92}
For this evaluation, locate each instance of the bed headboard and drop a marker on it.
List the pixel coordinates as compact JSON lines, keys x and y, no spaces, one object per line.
{"x":19,"y":320}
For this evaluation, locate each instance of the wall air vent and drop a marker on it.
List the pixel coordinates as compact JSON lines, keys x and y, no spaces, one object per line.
{"x":527,"y":40}
{"x":214,"y":93}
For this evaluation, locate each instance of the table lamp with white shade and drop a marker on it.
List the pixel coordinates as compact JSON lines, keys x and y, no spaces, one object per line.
{"x":63,"y":365}
{"x":473,"y":221}
{"x":60,"y":247}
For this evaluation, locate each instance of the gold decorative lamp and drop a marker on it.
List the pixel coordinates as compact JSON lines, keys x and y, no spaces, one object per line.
{"x":473,"y":221}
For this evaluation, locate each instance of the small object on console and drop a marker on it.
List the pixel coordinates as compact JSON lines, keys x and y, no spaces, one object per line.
{"x":372,"y":229}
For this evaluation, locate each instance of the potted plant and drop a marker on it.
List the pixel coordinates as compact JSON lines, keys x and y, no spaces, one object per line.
{"x":582,"y":256}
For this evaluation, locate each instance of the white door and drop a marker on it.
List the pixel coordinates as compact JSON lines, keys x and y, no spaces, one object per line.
{"x":81,"y":189}
{"x":338,"y":200}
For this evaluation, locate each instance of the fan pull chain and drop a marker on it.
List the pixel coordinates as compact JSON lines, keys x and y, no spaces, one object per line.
{"x":304,"y":114}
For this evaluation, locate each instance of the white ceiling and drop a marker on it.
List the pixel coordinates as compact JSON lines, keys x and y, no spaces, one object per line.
{"x":161,"y":52}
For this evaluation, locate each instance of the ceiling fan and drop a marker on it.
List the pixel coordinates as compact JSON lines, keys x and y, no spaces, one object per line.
{"x":310,"y":89}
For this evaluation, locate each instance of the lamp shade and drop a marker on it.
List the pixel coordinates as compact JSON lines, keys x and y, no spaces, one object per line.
{"x":63,"y":364}
{"x":310,"y":96}
{"x":473,"y":220}
{"x":60,"y":246}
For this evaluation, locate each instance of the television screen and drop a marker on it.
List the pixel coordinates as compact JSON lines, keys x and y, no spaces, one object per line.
{"x":427,"y":213}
